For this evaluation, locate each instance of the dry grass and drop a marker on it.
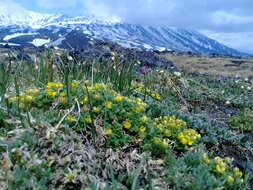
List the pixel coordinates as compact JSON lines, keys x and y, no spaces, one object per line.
{"x":226,"y":66}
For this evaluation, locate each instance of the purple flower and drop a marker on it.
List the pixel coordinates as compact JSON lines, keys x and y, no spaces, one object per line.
{"x":221,"y":76}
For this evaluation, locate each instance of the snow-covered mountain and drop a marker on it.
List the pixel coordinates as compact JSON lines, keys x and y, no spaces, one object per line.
{"x":30,"y":28}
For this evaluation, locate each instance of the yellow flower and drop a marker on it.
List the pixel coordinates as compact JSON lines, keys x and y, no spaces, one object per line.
{"x":58,"y":85}
{"x":165,"y":143}
{"x":54,"y":85}
{"x":21,"y":106}
{"x":109,"y":85}
{"x":230,"y":180}
{"x":138,"y":109}
{"x":167,"y":133}
{"x":98,"y":86}
{"x":144,"y":119}
{"x":188,"y":136}
{"x":75,"y":84}
{"x":108,"y":131}
{"x":84,"y":100}
{"x":118,"y":98}
{"x":190,"y":142}
{"x":156,"y":96}
{"x":13,"y":99}
{"x":157,"y":140}
{"x":142,"y":129}
{"x":63,"y":100}
{"x":228,"y":160}
{"x":26,"y":98}
{"x":237,"y":172}
{"x":97,"y":96}
{"x":205,"y":158}
{"x":51,"y":93}
{"x":88,"y":120}
{"x":50,"y":85}
{"x":220,"y":169}
{"x":70,"y":119}
{"x":96,"y":109}
{"x":33,"y":91}
{"x":127,"y":125}
{"x":108,"y":105}
{"x":62,"y":94}
{"x":218,"y":160}
{"x":87,"y":88}
{"x":184,"y":141}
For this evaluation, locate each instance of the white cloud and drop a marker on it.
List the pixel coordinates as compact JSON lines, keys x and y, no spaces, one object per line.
{"x":241,"y":41}
{"x":50,"y":4}
{"x":133,"y":11}
{"x":9,"y":6}
{"x":223,"y":17}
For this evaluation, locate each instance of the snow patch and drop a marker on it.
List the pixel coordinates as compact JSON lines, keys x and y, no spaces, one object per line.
{"x":8,"y":37}
{"x":40,"y":42}
{"x":10,"y":44}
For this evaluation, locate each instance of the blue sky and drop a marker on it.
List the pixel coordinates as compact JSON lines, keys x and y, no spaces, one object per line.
{"x":71,"y":7}
{"x":228,"y":21}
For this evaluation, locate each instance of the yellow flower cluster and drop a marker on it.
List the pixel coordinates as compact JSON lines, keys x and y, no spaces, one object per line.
{"x":96,"y":87}
{"x":25,"y":100}
{"x":166,"y":124}
{"x":222,"y":166}
{"x":162,"y":142}
{"x":144,"y":119}
{"x":108,"y":105}
{"x":51,"y":93}
{"x":96,"y":109}
{"x":237,"y":173}
{"x":33,"y":91}
{"x":55,"y":85}
{"x":71,"y":119}
{"x":13,"y":99}
{"x":188,"y":136}
{"x":205,"y":158}
{"x":75,"y":84}
{"x":139,"y":87}
{"x":52,"y":87}
{"x":140,"y":105}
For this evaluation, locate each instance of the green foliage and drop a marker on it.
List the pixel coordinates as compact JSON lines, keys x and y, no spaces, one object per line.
{"x":5,"y":76}
{"x":193,"y":172}
{"x":243,"y":121}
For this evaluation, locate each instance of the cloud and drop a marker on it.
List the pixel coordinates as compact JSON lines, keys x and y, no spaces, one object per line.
{"x":50,"y":4}
{"x":225,"y":15}
{"x":240,"y":41}
{"x":198,"y":14}
{"x":222,"y":17}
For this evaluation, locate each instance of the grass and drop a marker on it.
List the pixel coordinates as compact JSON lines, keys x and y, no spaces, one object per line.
{"x":107,"y":126}
{"x":205,"y":64}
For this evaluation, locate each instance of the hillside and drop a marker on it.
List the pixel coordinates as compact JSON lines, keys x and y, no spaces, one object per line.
{"x":27,"y":28}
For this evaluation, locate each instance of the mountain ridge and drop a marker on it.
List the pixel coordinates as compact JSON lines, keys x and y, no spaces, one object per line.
{"x":127,"y":35}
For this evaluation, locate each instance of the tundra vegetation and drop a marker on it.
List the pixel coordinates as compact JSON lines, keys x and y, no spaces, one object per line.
{"x":106,"y":125}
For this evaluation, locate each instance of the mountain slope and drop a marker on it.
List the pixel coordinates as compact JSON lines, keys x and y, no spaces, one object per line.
{"x":26,"y":27}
